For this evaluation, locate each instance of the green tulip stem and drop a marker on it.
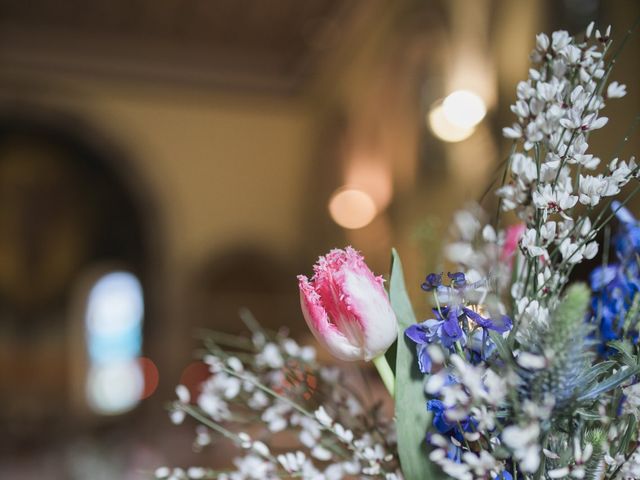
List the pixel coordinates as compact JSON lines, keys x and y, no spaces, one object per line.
{"x":385,"y":372}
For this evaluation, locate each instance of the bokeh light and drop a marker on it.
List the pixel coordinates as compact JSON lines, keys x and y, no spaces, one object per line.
{"x":151,"y":376}
{"x":352,"y":208}
{"x":444,"y":129}
{"x":114,"y":388}
{"x":113,"y":320}
{"x":193,"y":376}
{"x":464,"y":109}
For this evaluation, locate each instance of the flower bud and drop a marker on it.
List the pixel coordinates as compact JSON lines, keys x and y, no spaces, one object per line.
{"x":347,"y":307}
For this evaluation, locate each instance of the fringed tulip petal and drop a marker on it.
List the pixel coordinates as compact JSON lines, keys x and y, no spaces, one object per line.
{"x":347,"y":307}
{"x":318,"y":321}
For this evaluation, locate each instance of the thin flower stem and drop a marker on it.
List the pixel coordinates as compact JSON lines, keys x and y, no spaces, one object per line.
{"x":496,"y":173}
{"x":386,"y":374}
{"x":625,"y":138}
{"x":274,"y":394}
{"x":193,"y":412}
{"x":496,"y":220}
{"x":226,"y":339}
{"x":268,"y":390}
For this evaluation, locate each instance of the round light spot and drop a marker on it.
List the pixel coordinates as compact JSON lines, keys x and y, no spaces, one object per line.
{"x":464,"y":108}
{"x":115,"y":388}
{"x":444,"y":129}
{"x":150,"y":375}
{"x":352,"y":208}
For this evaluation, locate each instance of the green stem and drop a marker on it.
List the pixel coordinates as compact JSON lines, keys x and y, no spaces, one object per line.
{"x":386,"y":374}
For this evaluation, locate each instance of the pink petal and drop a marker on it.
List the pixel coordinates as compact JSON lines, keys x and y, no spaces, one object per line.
{"x":320,"y":325}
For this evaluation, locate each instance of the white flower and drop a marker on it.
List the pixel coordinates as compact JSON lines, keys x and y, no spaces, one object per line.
{"x":531,"y":361}
{"x":252,"y":467}
{"x":177,"y":416}
{"x":213,"y":404}
{"x":542,"y":42}
{"x":270,"y":357}
{"x":276,"y":416}
{"x":529,"y":243}
{"x":196,"y":473}
{"x":496,"y":387}
{"x":292,"y":462}
{"x":215,"y":364}
{"x":435,"y":382}
{"x":559,"y":473}
{"x":481,"y":464}
{"x":183,"y":394}
{"x":531,"y":311}
{"x":323,"y":417}
{"x":162,"y":472}
{"x":632,"y":400}
{"x":590,"y":250}
{"x":345,"y":435}
{"x":524,"y":167}
{"x":591,"y":189}
{"x":258,"y":400}
{"x":321,"y":453}
{"x":524,"y":443}
{"x":514,"y":132}
{"x":553,"y":200}
{"x":560,"y":39}
{"x":571,"y":252}
{"x":235,"y":364}
{"x":616,"y":90}
{"x":203,"y":437}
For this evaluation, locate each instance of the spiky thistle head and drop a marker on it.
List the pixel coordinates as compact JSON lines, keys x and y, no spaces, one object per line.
{"x":594,"y":467}
{"x":563,"y":344}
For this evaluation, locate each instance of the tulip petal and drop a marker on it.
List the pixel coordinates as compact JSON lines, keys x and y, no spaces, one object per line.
{"x":369,"y":305}
{"x":321,"y":326}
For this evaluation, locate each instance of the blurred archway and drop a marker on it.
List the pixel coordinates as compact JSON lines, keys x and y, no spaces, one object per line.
{"x":69,"y":202}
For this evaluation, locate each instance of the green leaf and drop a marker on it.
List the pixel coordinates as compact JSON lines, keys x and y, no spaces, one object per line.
{"x":625,"y":352}
{"x":501,"y":346}
{"x":595,"y":371}
{"x":628,"y":434}
{"x":609,"y":384}
{"x":591,"y":416}
{"x":412,"y":417}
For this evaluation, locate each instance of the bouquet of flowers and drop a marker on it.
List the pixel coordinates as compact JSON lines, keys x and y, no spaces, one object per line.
{"x":519,"y":373}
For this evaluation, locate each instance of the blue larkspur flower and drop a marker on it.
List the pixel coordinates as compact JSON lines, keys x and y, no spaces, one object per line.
{"x":458,"y":279}
{"x":616,"y":285}
{"x":443,"y":330}
{"x":446,"y":328}
{"x":433,"y":281}
{"x":447,"y":427}
{"x":504,"y":475}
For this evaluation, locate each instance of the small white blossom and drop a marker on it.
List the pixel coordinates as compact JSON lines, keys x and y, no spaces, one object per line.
{"x":524,"y":443}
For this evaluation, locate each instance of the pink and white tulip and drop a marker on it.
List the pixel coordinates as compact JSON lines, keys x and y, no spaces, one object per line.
{"x":347,"y":307}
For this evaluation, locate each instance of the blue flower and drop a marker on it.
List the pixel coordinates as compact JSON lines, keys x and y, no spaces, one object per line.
{"x":458,"y":279}
{"x":446,"y":427}
{"x":627,"y":242}
{"x":501,"y":325}
{"x":504,"y":475}
{"x":422,"y":334}
{"x":600,"y":277}
{"x":444,"y":330}
{"x":451,"y":331}
{"x":433,"y":281}
{"x":616,"y":285}
{"x":480,"y":346}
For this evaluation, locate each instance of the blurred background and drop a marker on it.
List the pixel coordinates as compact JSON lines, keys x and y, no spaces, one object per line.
{"x":164,"y":163}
